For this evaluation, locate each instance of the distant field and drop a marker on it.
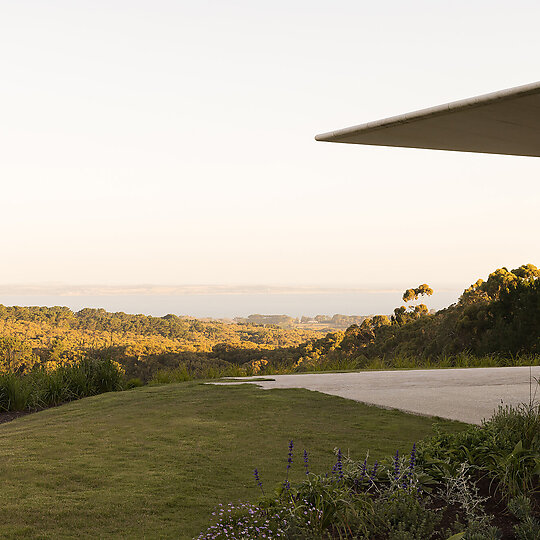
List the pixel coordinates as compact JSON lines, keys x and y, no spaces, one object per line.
{"x":153,"y":462}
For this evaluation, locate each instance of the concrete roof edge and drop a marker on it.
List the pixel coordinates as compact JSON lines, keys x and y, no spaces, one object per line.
{"x":477,"y":101}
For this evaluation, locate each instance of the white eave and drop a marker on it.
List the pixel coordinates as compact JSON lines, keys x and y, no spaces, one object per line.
{"x":504,"y":122}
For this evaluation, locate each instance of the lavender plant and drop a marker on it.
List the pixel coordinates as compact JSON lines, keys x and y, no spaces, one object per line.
{"x":306,"y":462}
{"x":339,"y":464}
{"x":286,"y":484}
{"x":258,"y":480}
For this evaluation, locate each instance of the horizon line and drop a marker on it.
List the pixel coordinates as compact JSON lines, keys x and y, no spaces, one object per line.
{"x":188,"y":290}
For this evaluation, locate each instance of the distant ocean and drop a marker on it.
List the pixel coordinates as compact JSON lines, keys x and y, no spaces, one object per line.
{"x":237,"y":305}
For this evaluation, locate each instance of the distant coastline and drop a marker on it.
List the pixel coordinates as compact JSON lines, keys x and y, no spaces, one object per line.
{"x":176,"y":290}
{"x":220,"y":304}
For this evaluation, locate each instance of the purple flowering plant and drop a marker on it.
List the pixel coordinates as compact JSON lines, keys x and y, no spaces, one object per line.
{"x":286,"y":484}
{"x":313,"y":507}
{"x":258,"y":480}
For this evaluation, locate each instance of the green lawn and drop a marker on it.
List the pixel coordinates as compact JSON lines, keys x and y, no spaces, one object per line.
{"x":154,"y":461}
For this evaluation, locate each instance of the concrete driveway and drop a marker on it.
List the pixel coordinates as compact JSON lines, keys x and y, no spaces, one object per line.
{"x":468,"y":395}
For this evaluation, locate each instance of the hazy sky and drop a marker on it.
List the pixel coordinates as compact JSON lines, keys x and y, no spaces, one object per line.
{"x":172,"y":142}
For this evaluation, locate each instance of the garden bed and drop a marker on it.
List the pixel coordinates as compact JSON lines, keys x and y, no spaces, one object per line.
{"x":479,"y":484}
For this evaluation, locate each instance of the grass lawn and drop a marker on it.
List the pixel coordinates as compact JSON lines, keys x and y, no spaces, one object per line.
{"x":153,"y":462}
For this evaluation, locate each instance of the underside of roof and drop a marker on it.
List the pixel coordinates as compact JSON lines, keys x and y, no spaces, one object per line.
{"x":505,"y":122}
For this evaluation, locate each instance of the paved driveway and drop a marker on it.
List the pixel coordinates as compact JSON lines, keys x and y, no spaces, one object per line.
{"x":469,"y":395}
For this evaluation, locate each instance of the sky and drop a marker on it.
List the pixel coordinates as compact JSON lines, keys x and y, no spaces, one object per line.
{"x":172,"y":142}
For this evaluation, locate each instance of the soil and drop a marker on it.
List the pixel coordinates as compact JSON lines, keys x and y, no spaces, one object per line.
{"x":12,"y":415}
{"x":494,"y":506}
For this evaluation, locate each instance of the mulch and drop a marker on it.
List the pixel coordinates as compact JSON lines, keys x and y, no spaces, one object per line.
{"x":495,"y":506}
{"x":12,"y":415}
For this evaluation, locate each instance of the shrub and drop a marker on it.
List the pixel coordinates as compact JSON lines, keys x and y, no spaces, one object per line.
{"x":528,"y":529}
{"x":404,"y":516}
{"x":134,"y":383}
{"x":52,"y":388}
{"x":529,"y":526}
{"x":506,"y":447}
{"x":323,"y":503}
{"x":167,"y":376}
{"x":103,"y":375}
{"x":461,"y":490}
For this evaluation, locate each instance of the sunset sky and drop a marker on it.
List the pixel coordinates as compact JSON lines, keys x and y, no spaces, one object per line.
{"x":172,"y":142}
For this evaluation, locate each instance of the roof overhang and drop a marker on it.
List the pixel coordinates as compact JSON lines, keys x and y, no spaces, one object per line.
{"x":505,"y":122}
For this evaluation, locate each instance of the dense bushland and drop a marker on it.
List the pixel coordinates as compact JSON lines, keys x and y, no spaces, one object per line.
{"x":494,"y":323}
{"x":497,"y":316}
{"x":49,"y":337}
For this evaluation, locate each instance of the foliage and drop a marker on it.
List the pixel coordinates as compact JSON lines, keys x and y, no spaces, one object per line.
{"x":460,"y":489}
{"x":413,"y":294}
{"x":51,"y":337}
{"x":404,"y":516}
{"x":528,"y":527}
{"x":403,"y":315}
{"x":506,"y":448}
{"x":16,"y":355}
{"x":45,"y":388}
{"x":495,"y":322}
{"x":354,"y":501}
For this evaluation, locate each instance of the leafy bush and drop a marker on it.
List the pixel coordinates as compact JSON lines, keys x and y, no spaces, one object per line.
{"x":323,"y":503}
{"x":134,"y":383}
{"x":404,"y":516}
{"x":461,"y":490}
{"x":506,"y":447}
{"x":529,"y":526}
{"x":528,"y":529}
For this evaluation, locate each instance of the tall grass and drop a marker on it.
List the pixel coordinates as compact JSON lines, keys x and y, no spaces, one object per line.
{"x":40,"y":388}
{"x":191,"y":372}
{"x":16,"y":394}
{"x":332,"y":364}
{"x":460,"y":360}
{"x":182,"y":373}
{"x":515,"y":458}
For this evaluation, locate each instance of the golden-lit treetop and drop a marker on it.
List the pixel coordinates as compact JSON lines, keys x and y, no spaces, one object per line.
{"x":413,"y":294}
